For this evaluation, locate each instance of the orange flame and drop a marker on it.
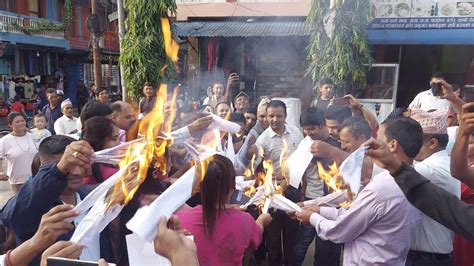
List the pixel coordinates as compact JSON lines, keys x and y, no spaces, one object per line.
{"x":250,"y":171}
{"x":140,"y":156}
{"x":171,"y":46}
{"x":331,"y":177}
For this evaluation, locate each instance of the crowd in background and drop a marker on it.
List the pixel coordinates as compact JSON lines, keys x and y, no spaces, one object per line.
{"x":408,"y":209}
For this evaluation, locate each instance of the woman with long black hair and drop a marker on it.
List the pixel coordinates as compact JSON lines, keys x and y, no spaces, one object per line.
{"x":222,"y":233}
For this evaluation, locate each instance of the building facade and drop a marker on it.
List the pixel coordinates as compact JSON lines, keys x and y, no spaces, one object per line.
{"x":58,"y":59}
{"x":266,"y":40}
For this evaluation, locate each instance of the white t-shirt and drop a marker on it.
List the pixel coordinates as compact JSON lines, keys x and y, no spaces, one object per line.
{"x":19,"y":153}
{"x":65,"y":125}
{"x":39,"y":135}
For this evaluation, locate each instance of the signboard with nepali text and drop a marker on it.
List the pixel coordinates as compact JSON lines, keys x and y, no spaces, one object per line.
{"x":422,"y":14}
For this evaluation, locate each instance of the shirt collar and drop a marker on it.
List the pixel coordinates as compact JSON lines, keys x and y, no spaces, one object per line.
{"x":273,"y":133}
{"x":68,"y":119}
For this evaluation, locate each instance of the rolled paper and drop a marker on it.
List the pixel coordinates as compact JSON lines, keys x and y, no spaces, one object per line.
{"x":147,"y":217}
{"x":330,"y":200}
{"x":266,"y":205}
{"x":224,"y":125}
{"x":280,"y":202}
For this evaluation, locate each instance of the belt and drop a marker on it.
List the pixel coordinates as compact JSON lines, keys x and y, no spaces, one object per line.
{"x":435,"y":256}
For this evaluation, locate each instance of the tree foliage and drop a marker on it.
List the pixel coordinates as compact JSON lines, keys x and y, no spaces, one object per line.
{"x":345,"y":57}
{"x":143,"y":56}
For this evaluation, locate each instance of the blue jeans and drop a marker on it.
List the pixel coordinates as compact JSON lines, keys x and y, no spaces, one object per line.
{"x":326,"y":253}
{"x":306,"y":234}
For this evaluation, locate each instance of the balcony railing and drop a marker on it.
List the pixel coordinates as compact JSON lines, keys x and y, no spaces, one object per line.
{"x":8,"y":19}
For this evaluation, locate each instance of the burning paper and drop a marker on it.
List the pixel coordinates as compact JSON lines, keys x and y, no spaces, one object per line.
{"x":299,"y":161}
{"x":351,"y":169}
{"x":147,"y":217}
{"x":115,"y":154}
{"x":268,"y":195}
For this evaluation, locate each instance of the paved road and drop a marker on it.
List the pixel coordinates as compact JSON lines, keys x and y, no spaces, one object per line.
{"x":5,"y":189}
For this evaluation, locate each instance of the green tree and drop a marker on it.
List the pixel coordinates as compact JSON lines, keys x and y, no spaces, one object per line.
{"x":143,"y":55}
{"x":345,"y":56}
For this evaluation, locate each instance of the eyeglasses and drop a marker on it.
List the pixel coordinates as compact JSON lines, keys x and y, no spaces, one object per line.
{"x":68,"y":108}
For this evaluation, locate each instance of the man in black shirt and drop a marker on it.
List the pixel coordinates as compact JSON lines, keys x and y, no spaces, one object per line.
{"x":324,"y":94}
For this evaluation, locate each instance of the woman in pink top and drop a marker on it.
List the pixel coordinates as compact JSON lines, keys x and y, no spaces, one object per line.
{"x":222,"y":233}
{"x":101,"y":133}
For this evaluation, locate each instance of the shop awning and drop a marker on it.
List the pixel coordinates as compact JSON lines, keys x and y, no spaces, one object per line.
{"x":240,"y":29}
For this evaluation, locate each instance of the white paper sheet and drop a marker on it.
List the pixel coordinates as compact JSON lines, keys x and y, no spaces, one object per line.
{"x":241,"y":184}
{"x":229,"y":151}
{"x":115,"y":154}
{"x":299,"y":160}
{"x":224,"y":125}
{"x":282,"y":203}
{"x":147,"y":217}
{"x":95,"y":221}
{"x":142,"y":252}
{"x":330,"y":200}
{"x":351,"y":169}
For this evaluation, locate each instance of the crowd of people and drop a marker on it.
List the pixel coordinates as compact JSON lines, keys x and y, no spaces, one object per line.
{"x":412,"y":208}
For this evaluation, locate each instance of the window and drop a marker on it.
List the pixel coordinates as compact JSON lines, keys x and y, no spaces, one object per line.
{"x":34,"y":8}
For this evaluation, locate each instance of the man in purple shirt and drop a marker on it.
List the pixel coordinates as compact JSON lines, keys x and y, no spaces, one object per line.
{"x":378,"y":227}
{"x":52,"y":110}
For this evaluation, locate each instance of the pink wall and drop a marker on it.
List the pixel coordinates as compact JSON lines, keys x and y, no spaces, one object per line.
{"x":237,"y":9}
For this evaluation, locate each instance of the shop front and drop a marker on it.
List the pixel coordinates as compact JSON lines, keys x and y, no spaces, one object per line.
{"x":423,"y":37}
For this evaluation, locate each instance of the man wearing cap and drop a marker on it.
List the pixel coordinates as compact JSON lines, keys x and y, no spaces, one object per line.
{"x":262,"y":122}
{"x":241,"y":101}
{"x":66,"y":124}
{"x":432,"y":242}
{"x":52,"y":110}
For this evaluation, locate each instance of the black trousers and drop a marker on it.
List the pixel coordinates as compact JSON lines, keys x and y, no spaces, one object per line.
{"x":420,"y":258}
{"x":280,"y":237}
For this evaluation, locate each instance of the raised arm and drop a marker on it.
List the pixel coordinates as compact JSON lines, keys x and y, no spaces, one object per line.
{"x":448,"y":210}
{"x":233,"y":77}
{"x":459,"y":155}
{"x":358,"y":108}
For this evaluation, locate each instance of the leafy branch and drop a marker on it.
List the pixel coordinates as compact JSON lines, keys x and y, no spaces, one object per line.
{"x":143,"y":55}
{"x":346,"y":56}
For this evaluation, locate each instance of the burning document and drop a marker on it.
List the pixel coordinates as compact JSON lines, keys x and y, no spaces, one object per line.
{"x":146,"y":218}
{"x":269,"y":195}
{"x":351,"y":169}
{"x":299,"y":161}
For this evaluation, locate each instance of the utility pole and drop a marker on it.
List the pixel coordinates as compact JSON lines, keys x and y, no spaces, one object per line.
{"x":96,"y":53}
{"x":121,"y":32}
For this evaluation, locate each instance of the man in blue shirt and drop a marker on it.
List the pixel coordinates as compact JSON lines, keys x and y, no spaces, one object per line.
{"x":52,"y":110}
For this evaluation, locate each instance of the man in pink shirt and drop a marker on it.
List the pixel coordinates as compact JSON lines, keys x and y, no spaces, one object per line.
{"x":378,"y":227}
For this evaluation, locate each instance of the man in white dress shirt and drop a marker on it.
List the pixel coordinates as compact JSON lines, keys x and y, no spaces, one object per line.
{"x":432,"y":242}
{"x":378,"y":228}
{"x":66,"y":124}
{"x":430,"y":99}
{"x":279,"y":138}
